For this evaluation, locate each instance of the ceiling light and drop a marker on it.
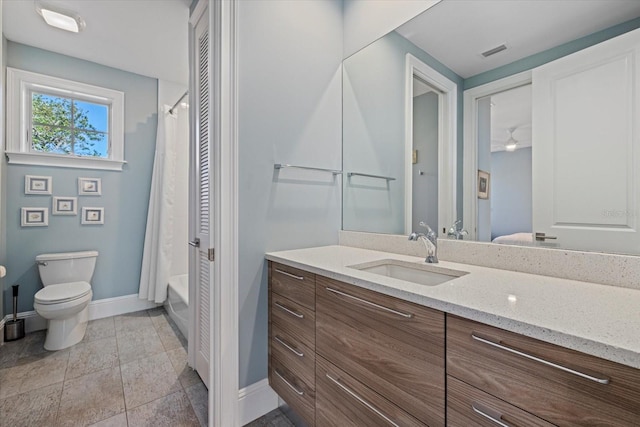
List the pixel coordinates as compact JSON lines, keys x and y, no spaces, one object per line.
{"x":511,"y":143}
{"x":60,"y":18}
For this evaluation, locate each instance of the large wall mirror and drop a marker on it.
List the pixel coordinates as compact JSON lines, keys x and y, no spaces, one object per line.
{"x":515,"y":118}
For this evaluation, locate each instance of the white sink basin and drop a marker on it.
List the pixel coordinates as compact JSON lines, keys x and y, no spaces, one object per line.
{"x":422,"y":274}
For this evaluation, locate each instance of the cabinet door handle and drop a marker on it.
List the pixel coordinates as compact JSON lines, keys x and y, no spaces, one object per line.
{"x":288,"y":310}
{"x":603,"y":380}
{"x":495,"y":418}
{"x":361,"y":400}
{"x":373,"y":304}
{"x":294,"y":388}
{"x":288,"y":347}
{"x":289,"y":274}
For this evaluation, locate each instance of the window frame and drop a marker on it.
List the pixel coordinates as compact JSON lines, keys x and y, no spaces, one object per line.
{"x":20,"y":86}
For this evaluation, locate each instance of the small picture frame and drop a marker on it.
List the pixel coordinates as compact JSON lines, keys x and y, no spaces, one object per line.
{"x":484,"y":183}
{"x":37,"y":185}
{"x":65,"y":206}
{"x":89,"y":186}
{"x":92,"y":216}
{"x":34,"y":217}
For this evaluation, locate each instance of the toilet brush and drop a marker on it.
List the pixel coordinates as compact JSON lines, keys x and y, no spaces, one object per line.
{"x":14,"y":328}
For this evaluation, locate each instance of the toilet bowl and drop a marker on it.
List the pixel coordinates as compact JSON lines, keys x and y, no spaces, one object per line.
{"x":64,"y":300}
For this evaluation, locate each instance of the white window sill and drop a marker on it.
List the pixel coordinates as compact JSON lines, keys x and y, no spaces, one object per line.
{"x":64,"y":161}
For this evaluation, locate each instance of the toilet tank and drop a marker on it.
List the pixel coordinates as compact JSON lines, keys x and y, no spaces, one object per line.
{"x":66,"y":267}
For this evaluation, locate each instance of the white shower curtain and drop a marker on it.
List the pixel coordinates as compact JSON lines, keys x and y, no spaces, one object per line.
{"x":165,"y":251}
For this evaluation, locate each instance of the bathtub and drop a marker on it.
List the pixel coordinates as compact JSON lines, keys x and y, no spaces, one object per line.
{"x":177,"y":304}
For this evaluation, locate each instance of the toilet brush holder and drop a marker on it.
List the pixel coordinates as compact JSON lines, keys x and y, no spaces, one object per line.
{"x":14,"y":328}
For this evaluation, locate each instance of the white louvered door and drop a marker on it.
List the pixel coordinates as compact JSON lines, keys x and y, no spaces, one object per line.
{"x":203,"y":200}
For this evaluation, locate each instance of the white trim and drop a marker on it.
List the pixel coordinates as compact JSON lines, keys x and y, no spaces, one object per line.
{"x":193,"y":179}
{"x":197,"y":12}
{"x":223,"y":375}
{"x":256,"y":400}
{"x":74,"y":162}
{"x":19,"y":85}
{"x":98,"y":309}
{"x":470,"y":161}
{"x":108,"y":307}
{"x":32,"y":321}
{"x":447,"y":141}
{"x":2,"y":322}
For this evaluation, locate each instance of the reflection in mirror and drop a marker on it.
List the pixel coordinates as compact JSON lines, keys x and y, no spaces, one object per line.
{"x":424,"y":155}
{"x":488,"y":43}
{"x":400,"y":120}
{"x":504,"y":151}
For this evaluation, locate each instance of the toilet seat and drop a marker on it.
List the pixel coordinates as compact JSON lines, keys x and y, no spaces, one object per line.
{"x":61,"y":293}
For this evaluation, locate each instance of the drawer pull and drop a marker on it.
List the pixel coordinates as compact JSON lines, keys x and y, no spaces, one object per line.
{"x":604,"y":380}
{"x":289,"y":274}
{"x":288,"y":310}
{"x":288,"y":347}
{"x":361,"y":400}
{"x":495,"y":418}
{"x":373,"y":304}
{"x":291,"y":386}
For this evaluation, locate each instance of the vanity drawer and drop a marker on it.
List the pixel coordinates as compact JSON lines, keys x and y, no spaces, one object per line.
{"x":343,"y":401}
{"x":293,"y":390}
{"x":294,"y":319}
{"x":541,"y":378}
{"x":297,"y":356}
{"x":468,"y":406}
{"x":297,"y":285}
{"x":394,"y":347}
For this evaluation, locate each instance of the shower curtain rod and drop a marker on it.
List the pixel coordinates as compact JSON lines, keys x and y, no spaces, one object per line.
{"x":178,"y":102}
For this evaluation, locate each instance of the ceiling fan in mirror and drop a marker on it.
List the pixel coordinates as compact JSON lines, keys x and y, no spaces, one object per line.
{"x":511,"y":144}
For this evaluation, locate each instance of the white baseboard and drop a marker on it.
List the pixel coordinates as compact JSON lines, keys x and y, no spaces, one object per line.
{"x":32,"y":321}
{"x":256,"y":400}
{"x":97,"y":310}
{"x":118,"y":305}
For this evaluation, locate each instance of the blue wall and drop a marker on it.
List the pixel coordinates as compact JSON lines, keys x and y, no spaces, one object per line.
{"x":425,"y":139}
{"x":125,"y":195}
{"x":374,"y":130}
{"x":289,"y":112}
{"x":511,"y":198}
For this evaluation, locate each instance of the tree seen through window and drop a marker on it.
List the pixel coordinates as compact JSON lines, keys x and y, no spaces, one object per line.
{"x":69,"y":126}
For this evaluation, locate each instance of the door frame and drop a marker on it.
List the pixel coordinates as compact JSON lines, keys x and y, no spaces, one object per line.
{"x":224,"y":369}
{"x":447,"y":142}
{"x":470,"y":145}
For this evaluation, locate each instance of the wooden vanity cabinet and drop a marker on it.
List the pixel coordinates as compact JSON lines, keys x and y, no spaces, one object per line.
{"x":561,"y":386}
{"x":341,"y":355}
{"x":343,"y":401}
{"x":393,"y":347}
{"x":292,"y":338}
{"x":469,"y":406}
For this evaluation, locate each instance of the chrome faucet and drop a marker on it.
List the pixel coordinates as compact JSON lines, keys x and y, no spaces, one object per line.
{"x":456,"y":231}
{"x":430,"y":241}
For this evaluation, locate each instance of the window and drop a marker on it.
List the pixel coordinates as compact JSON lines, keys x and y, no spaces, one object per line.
{"x":57,"y":122}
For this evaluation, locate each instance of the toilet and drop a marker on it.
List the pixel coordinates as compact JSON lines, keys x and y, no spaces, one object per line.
{"x":64,"y":299}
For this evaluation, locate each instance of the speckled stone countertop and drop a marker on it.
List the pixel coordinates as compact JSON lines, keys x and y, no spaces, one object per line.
{"x":600,"y":320}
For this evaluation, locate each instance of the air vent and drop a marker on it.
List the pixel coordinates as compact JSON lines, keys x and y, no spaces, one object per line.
{"x":494,"y":50}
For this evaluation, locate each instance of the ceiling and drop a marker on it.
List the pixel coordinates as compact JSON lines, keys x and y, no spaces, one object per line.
{"x":456,"y":32}
{"x":148,"y":37}
{"x":511,"y":109}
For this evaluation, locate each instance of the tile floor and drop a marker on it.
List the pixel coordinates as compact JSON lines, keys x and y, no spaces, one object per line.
{"x":129,"y":370}
{"x":275,"y":418}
